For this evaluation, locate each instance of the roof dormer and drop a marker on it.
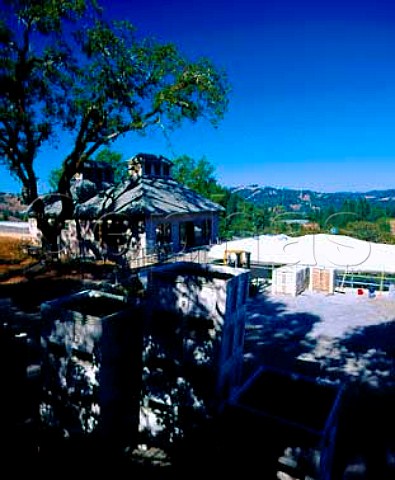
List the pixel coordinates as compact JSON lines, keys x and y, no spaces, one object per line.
{"x":149,"y":165}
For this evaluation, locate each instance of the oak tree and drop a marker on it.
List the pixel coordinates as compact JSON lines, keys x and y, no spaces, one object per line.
{"x":65,"y":69}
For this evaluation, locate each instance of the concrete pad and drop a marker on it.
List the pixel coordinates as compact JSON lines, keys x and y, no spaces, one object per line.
{"x":332,"y":337}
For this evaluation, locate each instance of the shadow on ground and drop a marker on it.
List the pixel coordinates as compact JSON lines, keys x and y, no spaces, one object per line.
{"x":378,"y":337}
{"x":274,"y":337}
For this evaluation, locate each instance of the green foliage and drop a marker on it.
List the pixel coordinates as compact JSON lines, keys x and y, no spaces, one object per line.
{"x":359,"y":210}
{"x":378,"y":232}
{"x":240,"y":218}
{"x":54,"y":177}
{"x":357,"y":218}
{"x":35,"y":76}
{"x":115,"y":160}
{"x":65,"y":69}
{"x":197,"y":175}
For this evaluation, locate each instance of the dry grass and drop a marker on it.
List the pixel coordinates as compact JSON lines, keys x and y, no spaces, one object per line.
{"x":18,"y":266}
{"x":13,"y":253}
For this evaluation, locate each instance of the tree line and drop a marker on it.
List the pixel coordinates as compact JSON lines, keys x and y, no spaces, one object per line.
{"x":241,"y":218}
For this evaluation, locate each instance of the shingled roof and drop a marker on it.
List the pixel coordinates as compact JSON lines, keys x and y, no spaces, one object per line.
{"x":146,"y":196}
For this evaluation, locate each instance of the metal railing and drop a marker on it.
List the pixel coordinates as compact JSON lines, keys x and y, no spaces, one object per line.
{"x":377,"y":281}
{"x":146,"y":258}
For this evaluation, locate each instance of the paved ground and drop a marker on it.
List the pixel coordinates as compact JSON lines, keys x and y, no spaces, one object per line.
{"x":337,"y":339}
{"x":339,"y":313}
{"x":331,"y":335}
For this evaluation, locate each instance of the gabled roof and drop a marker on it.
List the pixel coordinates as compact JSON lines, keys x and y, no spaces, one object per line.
{"x":146,"y":196}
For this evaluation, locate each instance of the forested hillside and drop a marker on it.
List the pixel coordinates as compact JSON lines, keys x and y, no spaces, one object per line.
{"x":308,"y":200}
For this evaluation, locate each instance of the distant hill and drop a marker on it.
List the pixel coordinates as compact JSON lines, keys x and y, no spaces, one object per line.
{"x":301,"y":201}
{"x":306,"y":201}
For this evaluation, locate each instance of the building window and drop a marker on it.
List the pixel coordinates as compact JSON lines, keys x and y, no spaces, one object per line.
{"x":207,"y":229}
{"x":157,"y":169}
{"x":166,"y":170}
{"x":187,"y":234}
{"x":163,"y":234}
{"x":115,"y":234}
{"x":148,"y":168}
{"x":198,"y":233}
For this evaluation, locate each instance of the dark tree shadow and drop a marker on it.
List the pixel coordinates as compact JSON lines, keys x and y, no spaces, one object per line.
{"x":275,"y":337}
{"x":365,"y":441}
{"x":378,"y":337}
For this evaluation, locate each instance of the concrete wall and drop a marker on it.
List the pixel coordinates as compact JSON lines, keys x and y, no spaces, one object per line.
{"x":197,"y":315}
{"x":147,"y":372}
{"x":92,"y":367}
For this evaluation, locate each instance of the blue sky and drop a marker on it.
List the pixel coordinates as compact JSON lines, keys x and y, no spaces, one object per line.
{"x":313,"y":90}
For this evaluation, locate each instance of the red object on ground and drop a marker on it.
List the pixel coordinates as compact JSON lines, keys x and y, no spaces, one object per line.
{"x":360,"y":291}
